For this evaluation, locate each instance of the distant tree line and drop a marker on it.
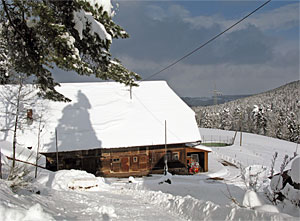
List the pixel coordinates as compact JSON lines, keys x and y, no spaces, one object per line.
{"x":275,"y":113}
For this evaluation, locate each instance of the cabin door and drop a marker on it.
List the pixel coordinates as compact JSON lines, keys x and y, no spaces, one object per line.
{"x":125,"y":164}
{"x":89,"y":165}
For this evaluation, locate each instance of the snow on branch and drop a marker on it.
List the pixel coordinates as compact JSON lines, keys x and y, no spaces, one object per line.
{"x":82,"y":19}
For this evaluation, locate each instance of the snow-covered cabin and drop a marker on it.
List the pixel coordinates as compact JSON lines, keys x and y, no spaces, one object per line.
{"x":110,"y":130}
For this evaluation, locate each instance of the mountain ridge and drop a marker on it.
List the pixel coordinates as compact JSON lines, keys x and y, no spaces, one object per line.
{"x":274,"y":113}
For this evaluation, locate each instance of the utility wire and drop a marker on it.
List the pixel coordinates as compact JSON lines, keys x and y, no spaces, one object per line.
{"x":206,"y":43}
{"x":155,"y":117}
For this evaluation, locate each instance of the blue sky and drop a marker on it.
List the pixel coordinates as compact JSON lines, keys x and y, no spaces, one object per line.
{"x":259,"y":54}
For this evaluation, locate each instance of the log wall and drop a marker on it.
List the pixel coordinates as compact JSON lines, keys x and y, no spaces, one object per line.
{"x":124,"y":162}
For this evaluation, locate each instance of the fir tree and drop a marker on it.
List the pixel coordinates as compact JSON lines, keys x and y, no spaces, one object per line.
{"x":276,"y":113}
{"x":74,"y":35}
{"x":226,"y":119}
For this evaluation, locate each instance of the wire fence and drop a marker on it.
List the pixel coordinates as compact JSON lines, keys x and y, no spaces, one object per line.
{"x":217,"y":139}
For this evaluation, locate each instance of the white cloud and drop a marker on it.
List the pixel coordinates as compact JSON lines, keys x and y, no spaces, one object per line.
{"x":284,"y":17}
{"x":250,"y":59}
{"x":198,"y":80}
{"x":155,"y":12}
{"x":140,"y":66}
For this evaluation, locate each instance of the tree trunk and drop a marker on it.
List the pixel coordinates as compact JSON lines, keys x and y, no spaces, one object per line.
{"x":38,"y":147}
{"x":16,"y":124}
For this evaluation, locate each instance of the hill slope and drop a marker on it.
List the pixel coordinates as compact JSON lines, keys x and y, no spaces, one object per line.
{"x":207,"y":101}
{"x":273,"y":113}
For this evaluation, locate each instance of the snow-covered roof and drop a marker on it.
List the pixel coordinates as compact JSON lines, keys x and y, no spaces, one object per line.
{"x":102,"y":115}
{"x":202,"y":147}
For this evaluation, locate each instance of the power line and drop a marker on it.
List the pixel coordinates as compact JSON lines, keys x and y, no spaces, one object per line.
{"x":154,"y":116}
{"x":206,"y":43}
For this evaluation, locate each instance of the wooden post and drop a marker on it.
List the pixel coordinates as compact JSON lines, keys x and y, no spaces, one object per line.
{"x":130,"y":92}
{"x":57,"y":167}
{"x":234,"y":137}
{"x":241,"y":117}
{"x":206,"y":161}
{"x":241,"y":138}
{"x":38,"y":148}
{"x":166,"y":158}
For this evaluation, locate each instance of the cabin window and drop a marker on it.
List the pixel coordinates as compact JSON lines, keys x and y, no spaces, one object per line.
{"x":135,"y":159}
{"x":116,"y":160}
{"x":175,"y":156}
{"x":169,"y":156}
{"x":195,"y":157}
{"x":50,"y":160}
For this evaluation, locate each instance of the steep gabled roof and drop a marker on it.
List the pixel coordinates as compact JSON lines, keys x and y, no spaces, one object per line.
{"x":102,"y":115}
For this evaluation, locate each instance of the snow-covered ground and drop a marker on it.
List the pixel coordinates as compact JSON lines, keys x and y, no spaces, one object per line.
{"x":255,"y":149}
{"x":57,"y":196}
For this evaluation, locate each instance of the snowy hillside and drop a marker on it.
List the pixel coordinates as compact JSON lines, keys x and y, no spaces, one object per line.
{"x":275,"y":113}
{"x":77,"y":195}
{"x":208,"y":101}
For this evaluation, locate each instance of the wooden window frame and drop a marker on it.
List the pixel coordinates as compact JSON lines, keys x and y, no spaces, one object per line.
{"x":135,"y":159}
{"x":116,"y":160}
{"x":177,"y":158}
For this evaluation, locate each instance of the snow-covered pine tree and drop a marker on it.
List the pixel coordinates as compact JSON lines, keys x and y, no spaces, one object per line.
{"x":293,"y":127}
{"x":259,"y":120}
{"x":74,"y":35}
{"x":3,"y":61}
{"x":226,"y":119}
{"x":281,"y":129}
{"x":237,"y":118}
{"x":206,"y":120}
{"x":276,"y":113}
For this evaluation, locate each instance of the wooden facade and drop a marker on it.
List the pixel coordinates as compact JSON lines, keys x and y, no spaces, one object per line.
{"x":130,"y":161}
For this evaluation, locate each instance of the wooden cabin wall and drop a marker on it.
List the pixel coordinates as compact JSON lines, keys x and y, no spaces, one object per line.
{"x":134,"y":161}
{"x":176,"y":160}
{"x":141,"y":162}
{"x":124,"y":162}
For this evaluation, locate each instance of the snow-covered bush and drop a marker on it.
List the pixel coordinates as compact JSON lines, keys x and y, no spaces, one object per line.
{"x":254,"y":176}
{"x":295,"y":174}
{"x":251,"y":199}
{"x":285,"y":186}
{"x":19,"y":177}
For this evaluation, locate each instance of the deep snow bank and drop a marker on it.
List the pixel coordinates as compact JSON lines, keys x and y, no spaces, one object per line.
{"x":12,"y":208}
{"x":191,"y":208}
{"x":76,"y":180}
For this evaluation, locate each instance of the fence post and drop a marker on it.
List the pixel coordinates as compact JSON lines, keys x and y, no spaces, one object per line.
{"x":241,"y":138}
{"x":234,"y":137}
